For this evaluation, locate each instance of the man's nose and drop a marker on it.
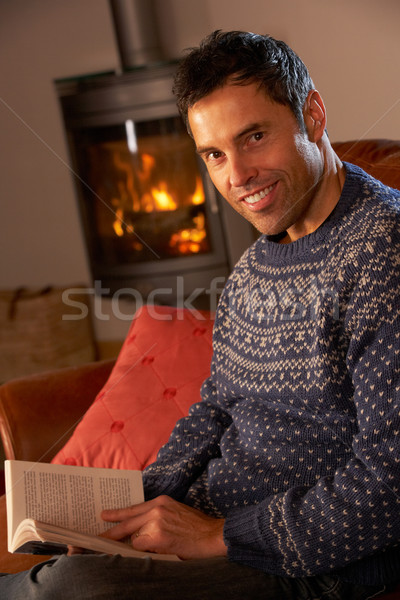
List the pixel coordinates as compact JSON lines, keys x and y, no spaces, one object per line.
{"x":241,"y":171}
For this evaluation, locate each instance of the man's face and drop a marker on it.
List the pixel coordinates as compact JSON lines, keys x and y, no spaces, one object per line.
{"x":259,"y":159}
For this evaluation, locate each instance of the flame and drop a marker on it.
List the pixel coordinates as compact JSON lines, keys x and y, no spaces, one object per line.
{"x":141,"y":191}
{"x":198,"y":196}
{"x":163,"y":200}
{"x":128,"y":188}
{"x":117,"y":225}
{"x":148,"y":163}
{"x":188,"y":241}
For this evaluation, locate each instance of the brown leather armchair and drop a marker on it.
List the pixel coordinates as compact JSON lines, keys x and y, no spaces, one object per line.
{"x":38,"y":413}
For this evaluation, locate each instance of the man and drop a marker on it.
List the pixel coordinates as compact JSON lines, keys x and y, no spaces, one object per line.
{"x":284,"y":481}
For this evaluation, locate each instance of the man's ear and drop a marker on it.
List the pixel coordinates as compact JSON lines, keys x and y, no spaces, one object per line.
{"x":314,"y":113}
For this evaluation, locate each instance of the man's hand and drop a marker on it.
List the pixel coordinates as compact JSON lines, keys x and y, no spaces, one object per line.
{"x":165,"y":526}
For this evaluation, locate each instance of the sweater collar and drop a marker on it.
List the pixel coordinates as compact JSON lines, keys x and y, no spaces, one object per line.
{"x":350,"y":193}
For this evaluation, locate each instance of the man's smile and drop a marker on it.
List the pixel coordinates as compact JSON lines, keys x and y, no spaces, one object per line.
{"x":253,"y":199}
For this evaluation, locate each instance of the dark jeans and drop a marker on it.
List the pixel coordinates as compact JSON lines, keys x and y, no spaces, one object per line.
{"x":91,"y":577}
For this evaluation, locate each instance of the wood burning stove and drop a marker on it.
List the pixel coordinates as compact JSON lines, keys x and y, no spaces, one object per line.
{"x":149,"y":210}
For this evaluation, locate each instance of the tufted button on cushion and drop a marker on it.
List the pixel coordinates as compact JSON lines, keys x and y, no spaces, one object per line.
{"x":117,"y":426}
{"x":157,"y":377}
{"x":147,"y":360}
{"x":199,"y":331}
{"x":170,"y":393}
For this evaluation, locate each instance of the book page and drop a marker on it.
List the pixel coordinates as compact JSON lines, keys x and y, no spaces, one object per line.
{"x":41,"y":538}
{"x":67,"y":496}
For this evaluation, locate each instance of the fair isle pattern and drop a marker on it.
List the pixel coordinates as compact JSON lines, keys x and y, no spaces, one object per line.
{"x":297,"y":439}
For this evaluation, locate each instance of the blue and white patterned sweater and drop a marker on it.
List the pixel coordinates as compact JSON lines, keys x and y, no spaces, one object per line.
{"x":297,"y":439}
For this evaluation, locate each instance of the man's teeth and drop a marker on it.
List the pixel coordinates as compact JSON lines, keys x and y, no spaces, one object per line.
{"x":257,"y":197}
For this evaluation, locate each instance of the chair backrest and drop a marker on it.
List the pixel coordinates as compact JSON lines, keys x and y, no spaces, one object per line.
{"x":379,"y":158}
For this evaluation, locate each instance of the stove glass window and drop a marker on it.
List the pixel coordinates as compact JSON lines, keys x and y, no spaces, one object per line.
{"x":143,"y":191}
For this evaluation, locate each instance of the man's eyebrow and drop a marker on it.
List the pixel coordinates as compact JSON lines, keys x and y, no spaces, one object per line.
{"x":251,"y":127}
{"x":259,"y":125}
{"x":205,"y":149}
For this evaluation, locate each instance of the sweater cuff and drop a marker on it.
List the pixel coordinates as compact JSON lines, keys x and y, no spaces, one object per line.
{"x":244,"y":541}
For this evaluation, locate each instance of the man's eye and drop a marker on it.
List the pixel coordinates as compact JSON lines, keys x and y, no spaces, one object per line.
{"x":215,"y":155}
{"x":257,"y":136}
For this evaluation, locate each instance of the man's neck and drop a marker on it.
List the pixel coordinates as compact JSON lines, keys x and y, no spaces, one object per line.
{"x":327,"y":197}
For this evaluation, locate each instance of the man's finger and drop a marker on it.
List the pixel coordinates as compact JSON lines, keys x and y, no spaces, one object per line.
{"x":118,"y":514}
{"x":124,"y":529}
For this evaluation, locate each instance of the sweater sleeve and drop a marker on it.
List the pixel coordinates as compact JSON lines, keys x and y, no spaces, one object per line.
{"x":352,"y":515}
{"x":192,"y":444}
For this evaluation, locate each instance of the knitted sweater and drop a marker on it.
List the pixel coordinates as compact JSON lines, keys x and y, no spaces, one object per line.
{"x":297,"y":439}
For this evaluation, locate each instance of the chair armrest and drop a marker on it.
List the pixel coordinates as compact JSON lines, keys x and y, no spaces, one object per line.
{"x":38,"y":413}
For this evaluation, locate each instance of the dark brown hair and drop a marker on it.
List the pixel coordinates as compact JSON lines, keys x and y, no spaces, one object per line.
{"x":243,"y":58}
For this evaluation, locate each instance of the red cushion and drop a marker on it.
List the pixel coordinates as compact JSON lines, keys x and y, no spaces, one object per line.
{"x":157,"y":377}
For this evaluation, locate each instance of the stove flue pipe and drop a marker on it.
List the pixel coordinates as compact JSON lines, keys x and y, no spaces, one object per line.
{"x":136,"y":30}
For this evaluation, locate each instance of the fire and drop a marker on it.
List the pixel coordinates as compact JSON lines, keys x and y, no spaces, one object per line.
{"x":163,"y":200}
{"x":198,"y":196}
{"x":117,"y":225}
{"x":148,"y":163}
{"x":188,"y":241}
{"x":141,"y":191}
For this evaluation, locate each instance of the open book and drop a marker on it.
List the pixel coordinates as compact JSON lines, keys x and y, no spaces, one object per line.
{"x":52,"y":506}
